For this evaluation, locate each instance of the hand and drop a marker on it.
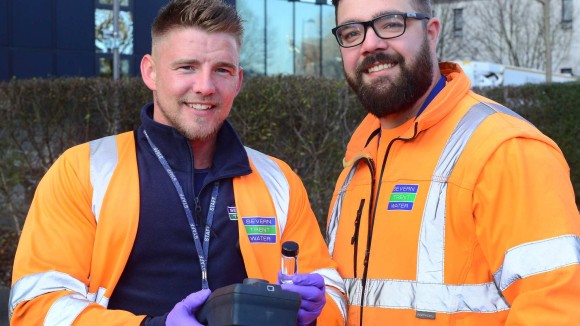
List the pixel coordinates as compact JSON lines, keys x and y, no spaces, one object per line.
{"x":184,"y":312}
{"x":312,"y":291}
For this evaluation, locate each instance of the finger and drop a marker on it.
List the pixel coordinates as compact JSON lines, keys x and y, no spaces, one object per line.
{"x":309,"y":280}
{"x":305,"y":317}
{"x":193,"y":301}
{"x":307,"y":293}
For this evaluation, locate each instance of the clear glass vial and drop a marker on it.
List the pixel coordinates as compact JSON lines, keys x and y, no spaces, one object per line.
{"x":289,"y":262}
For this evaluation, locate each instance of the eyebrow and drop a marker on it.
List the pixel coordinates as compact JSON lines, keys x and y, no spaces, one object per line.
{"x":378,"y":14}
{"x":194,"y":62}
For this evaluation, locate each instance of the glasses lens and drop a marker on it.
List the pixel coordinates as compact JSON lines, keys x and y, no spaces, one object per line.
{"x":390,"y":26}
{"x":350,"y":34}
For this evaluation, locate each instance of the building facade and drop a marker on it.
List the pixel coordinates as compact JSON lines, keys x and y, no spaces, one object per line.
{"x":511,"y":32}
{"x":289,"y":37}
{"x":55,"y":38}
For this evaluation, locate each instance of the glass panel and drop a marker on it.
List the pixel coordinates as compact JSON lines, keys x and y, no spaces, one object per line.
{"x":567,"y":8}
{"x":104,"y":40}
{"x":307,"y":39}
{"x":327,"y":2}
{"x":281,"y":45}
{"x":253,"y":58}
{"x":457,"y":22}
{"x":110,"y":2}
{"x":106,"y":67}
{"x":331,"y":58}
{"x":124,"y":67}
{"x":285,"y":37}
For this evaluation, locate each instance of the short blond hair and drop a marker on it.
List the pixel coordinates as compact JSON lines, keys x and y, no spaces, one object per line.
{"x":208,"y":15}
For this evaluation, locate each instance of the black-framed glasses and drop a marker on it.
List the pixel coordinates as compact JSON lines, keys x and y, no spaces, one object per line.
{"x":386,"y":27}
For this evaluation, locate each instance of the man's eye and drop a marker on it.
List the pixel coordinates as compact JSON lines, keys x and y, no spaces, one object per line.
{"x":391,"y":26}
{"x":350,"y":34}
{"x":225,"y":71}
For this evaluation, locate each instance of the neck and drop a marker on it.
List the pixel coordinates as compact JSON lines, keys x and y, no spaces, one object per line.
{"x":395,"y":120}
{"x":203,"y":151}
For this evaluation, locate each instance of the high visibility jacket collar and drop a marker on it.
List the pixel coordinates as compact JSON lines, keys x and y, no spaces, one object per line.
{"x":440,"y":106}
{"x":230,"y":160}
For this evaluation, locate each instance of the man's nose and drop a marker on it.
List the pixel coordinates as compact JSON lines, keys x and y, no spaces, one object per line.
{"x":204,"y":84}
{"x":372,"y":42}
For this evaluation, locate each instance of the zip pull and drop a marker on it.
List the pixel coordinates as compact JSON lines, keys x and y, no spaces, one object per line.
{"x":367,"y":254}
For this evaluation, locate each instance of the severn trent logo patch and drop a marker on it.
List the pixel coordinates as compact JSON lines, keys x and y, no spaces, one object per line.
{"x":403,"y":197}
{"x":260,"y":229}
{"x":233,"y":213}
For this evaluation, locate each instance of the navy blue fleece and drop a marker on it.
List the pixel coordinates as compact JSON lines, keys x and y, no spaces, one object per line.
{"x":163,"y":267}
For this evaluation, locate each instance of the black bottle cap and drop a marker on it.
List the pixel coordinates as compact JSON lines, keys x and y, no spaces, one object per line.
{"x":290,"y":249}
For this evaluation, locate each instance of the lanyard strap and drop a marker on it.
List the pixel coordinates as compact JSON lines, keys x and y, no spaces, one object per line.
{"x":202,"y":250}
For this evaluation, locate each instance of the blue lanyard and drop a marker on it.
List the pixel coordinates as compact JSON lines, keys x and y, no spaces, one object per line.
{"x":202,"y":250}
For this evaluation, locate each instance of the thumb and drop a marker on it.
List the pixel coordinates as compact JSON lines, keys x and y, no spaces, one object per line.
{"x":195,"y":300}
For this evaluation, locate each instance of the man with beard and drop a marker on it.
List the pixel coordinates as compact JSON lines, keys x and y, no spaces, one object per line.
{"x":120,"y":228}
{"x":451,"y":209}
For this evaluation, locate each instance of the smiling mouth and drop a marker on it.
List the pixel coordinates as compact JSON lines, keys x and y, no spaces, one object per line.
{"x":200,"y":107}
{"x":380,"y":67}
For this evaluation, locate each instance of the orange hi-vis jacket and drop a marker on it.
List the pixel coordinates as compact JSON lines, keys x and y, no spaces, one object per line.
{"x":466,"y":216}
{"x":83,"y":221}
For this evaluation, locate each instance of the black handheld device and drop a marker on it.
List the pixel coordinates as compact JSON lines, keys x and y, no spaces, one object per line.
{"x":254,"y":302}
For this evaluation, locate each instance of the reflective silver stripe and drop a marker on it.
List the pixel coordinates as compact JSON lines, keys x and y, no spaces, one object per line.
{"x":431,"y":250}
{"x":276,"y":183}
{"x":429,"y":293}
{"x":502,"y":109}
{"x":537,"y":257}
{"x":336,"y":209}
{"x":103,"y":161}
{"x":442,"y":298}
{"x":99,"y":297}
{"x":34,"y":285}
{"x":66,"y":309}
{"x":279,"y":189}
{"x":334,"y":287}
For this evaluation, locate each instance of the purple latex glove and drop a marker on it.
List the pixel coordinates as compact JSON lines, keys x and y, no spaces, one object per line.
{"x":184,"y":312}
{"x":312,"y":291}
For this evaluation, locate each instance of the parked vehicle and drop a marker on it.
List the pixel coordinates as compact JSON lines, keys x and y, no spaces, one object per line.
{"x":491,"y":74}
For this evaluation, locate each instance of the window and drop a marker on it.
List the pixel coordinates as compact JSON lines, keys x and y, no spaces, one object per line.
{"x":104,"y":40}
{"x":296,"y":42}
{"x":567,"y":16}
{"x":458,"y":22}
{"x":110,"y":2}
{"x":105,"y":66}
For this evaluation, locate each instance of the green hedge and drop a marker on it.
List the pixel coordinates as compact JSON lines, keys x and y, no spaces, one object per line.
{"x":304,"y":121}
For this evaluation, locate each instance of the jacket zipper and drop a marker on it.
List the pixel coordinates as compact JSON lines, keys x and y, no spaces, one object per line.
{"x":372,"y":216}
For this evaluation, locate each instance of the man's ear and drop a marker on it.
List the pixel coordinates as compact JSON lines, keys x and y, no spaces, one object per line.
{"x":240,"y":79}
{"x":433,"y":29}
{"x":148,"y":71}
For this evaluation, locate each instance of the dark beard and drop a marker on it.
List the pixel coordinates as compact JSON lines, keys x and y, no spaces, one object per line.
{"x":385,"y":96}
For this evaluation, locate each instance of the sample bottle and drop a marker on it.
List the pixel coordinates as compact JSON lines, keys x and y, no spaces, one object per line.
{"x":289,"y":265}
